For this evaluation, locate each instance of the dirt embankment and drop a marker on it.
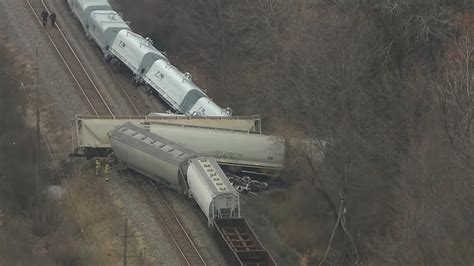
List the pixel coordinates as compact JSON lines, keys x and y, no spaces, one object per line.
{"x":33,"y":230}
{"x":388,"y":85}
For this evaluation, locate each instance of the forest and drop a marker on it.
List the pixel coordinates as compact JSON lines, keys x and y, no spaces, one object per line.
{"x":388,"y":85}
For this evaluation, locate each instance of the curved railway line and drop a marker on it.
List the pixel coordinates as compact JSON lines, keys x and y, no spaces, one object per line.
{"x":163,"y":212}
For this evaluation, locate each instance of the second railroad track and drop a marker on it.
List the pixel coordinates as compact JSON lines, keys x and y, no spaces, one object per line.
{"x":165,"y":214}
{"x":81,"y":77}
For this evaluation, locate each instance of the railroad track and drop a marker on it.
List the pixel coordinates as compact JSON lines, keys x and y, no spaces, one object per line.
{"x":165,"y":214}
{"x":83,"y":80}
{"x":161,"y":208}
{"x":122,"y":89}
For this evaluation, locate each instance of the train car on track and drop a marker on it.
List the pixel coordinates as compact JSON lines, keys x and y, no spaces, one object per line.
{"x":148,"y":65}
{"x":104,"y":27}
{"x":179,"y":168}
{"x":82,"y":10}
{"x":179,"y":91}
{"x":136,"y":52}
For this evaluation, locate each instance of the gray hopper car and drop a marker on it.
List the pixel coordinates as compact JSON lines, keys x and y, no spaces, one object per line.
{"x":177,"y":167}
{"x":212,"y":190}
{"x":151,"y":155}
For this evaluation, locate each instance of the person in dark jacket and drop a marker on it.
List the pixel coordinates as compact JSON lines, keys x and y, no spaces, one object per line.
{"x":44,"y":17}
{"x":53,"y":19}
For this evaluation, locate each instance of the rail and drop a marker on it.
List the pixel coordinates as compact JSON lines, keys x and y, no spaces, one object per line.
{"x":74,"y":66}
{"x":165,"y":214}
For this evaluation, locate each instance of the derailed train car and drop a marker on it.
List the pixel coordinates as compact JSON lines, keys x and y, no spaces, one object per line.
{"x":227,"y":146}
{"x":199,"y":177}
{"x":151,"y":155}
{"x":212,"y":190}
{"x":232,"y":141}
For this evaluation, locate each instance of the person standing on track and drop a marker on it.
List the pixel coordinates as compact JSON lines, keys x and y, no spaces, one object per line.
{"x":44,"y":17}
{"x":97,"y":166}
{"x":52,"y":16}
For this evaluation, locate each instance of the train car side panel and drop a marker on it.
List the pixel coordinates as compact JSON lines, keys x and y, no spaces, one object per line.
{"x":82,"y":9}
{"x":206,"y":107}
{"x":136,"y":52}
{"x":150,"y":154}
{"x":104,"y":27}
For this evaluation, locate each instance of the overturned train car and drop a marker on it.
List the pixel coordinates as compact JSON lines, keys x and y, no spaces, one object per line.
{"x":233,"y":141}
{"x":201,"y":178}
{"x":166,"y":162}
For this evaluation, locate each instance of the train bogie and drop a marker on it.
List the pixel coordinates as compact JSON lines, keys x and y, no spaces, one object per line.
{"x":104,"y":27}
{"x":212,"y":190}
{"x":136,"y":52}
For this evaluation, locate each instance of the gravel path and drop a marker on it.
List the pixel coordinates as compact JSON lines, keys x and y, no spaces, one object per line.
{"x":164,"y":252}
{"x":59,"y":98}
{"x":132,"y":203}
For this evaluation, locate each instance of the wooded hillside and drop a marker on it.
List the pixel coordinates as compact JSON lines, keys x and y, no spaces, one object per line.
{"x":388,"y":83}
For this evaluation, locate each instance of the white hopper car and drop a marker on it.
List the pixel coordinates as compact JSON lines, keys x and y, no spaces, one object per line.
{"x":82,"y":10}
{"x":230,"y":147}
{"x":136,"y":52}
{"x":104,"y":27}
{"x":180,"y":168}
{"x":221,"y":138}
{"x":189,"y":98}
{"x":148,"y":65}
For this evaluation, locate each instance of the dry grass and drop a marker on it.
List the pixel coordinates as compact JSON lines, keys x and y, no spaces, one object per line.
{"x":100,"y":216}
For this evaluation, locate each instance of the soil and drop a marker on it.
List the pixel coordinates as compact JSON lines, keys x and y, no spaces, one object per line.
{"x":33,"y":228}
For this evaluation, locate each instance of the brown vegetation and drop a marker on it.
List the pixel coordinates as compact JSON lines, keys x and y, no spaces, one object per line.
{"x":388,"y":83}
{"x":33,"y":230}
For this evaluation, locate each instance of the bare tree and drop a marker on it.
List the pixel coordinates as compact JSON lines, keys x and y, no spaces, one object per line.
{"x":455,"y":89}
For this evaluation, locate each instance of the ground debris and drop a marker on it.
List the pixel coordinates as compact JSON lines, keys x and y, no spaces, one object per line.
{"x":246,"y":183}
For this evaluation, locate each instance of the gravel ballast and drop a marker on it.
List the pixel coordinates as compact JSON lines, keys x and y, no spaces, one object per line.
{"x":61,"y":101}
